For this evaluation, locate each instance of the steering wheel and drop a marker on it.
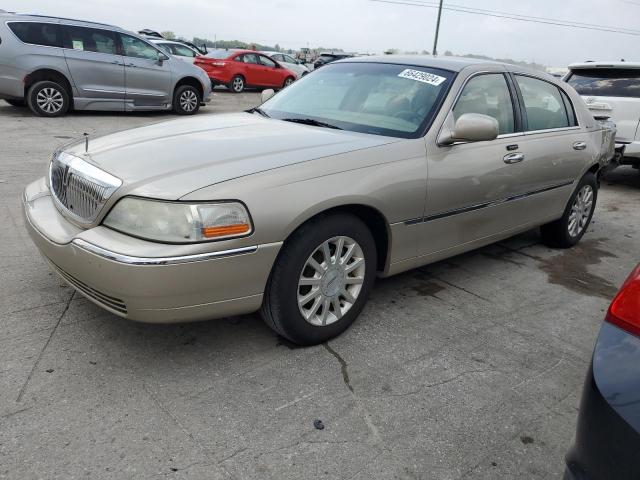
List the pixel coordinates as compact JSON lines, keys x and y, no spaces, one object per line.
{"x":408,"y":116}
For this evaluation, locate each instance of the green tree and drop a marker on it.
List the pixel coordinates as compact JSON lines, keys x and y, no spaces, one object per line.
{"x":169,"y":35}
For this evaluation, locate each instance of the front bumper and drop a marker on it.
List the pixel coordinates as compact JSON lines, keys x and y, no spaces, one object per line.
{"x":107,"y":267}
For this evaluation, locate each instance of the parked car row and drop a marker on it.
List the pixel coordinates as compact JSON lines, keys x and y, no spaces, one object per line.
{"x":53,"y":65}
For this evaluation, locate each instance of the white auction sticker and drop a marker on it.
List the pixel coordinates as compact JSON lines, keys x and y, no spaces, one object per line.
{"x":423,"y":77}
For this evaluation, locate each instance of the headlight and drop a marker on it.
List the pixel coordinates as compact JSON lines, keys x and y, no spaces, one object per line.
{"x":178,"y":222}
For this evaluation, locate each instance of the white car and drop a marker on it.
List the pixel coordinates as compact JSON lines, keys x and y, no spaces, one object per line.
{"x":612,"y":89}
{"x":288,"y":62}
{"x":177,"y":49}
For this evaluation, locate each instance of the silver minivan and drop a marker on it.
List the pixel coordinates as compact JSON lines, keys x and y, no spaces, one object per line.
{"x":54,"y":64}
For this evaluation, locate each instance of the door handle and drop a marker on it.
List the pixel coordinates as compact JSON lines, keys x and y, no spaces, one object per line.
{"x":513,"y":158}
{"x":131,"y":65}
{"x":579,"y":145}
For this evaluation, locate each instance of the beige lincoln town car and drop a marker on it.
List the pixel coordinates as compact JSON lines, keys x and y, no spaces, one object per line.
{"x":367,"y":167}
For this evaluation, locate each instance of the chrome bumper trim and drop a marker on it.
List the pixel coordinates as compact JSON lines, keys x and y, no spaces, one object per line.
{"x":129,"y":260}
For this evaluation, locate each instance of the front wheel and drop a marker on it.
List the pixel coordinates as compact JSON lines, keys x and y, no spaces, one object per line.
{"x":321,"y":280}
{"x":186,"y":100}
{"x":288,"y":81}
{"x":569,"y":229}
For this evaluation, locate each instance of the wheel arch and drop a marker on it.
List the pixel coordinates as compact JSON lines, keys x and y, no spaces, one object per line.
{"x":192,"y":81}
{"x":47,"y":74}
{"x":371,"y":216}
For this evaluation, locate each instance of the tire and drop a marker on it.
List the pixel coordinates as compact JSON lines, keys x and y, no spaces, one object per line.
{"x":288,"y":81}
{"x":281,"y":309}
{"x":16,"y":103}
{"x":48,"y":99}
{"x":237,"y":84}
{"x":186,"y":100}
{"x":568,"y":230}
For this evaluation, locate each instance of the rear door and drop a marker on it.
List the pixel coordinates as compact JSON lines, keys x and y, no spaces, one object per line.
{"x":252,"y":70}
{"x":148,"y":79}
{"x":96,"y":66}
{"x":612,"y":92}
{"x":554,"y":146}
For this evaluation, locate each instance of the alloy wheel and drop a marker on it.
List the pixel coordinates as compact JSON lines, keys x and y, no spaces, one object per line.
{"x":50,"y":100}
{"x":188,"y":100}
{"x":580,"y":211}
{"x":331,"y":281}
{"x":238,"y":84}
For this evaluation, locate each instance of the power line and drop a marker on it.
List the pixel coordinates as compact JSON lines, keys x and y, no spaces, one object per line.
{"x":512,"y":16}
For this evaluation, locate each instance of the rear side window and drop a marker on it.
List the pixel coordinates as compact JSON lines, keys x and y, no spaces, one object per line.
{"x":543,"y":104}
{"x":488,"y":94}
{"x":36,"y":33}
{"x":610,"y":82}
{"x":90,"y":40}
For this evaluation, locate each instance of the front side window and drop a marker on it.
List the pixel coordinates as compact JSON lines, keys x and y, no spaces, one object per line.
{"x":134,"y":47}
{"x":610,"y":82}
{"x":288,"y":59}
{"x":36,"y":33}
{"x":267,"y":62}
{"x":90,"y":40}
{"x":488,"y":94}
{"x":544,"y":107}
{"x":382,"y":99}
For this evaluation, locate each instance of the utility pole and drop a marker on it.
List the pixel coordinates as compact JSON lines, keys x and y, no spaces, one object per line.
{"x":435,"y":41}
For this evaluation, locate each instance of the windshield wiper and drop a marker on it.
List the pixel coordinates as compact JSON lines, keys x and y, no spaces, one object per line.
{"x":260,"y":111}
{"x":311,"y":121}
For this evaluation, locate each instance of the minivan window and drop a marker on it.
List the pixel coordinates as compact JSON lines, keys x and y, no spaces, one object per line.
{"x":134,"y":47}
{"x":90,"y":40}
{"x":543,"y":105}
{"x":36,"y":33}
{"x":610,"y":82}
{"x":488,"y":94}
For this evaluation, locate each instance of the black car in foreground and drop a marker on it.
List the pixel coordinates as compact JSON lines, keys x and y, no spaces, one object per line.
{"x":607,"y":443}
{"x":325,"y":58}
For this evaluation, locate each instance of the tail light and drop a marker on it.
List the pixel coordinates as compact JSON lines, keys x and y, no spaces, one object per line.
{"x":625,"y":308}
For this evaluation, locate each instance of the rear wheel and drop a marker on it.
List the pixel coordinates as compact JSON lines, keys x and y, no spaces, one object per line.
{"x":321,"y":280}
{"x":48,"y":99}
{"x":237,"y":84}
{"x":186,"y":100}
{"x":568,"y":230}
{"x":16,"y":103}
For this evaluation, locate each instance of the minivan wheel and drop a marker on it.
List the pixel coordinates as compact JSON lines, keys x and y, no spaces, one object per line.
{"x":16,"y":103}
{"x":237,"y":84}
{"x":186,"y":100}
{"x":568,"y":230}
{"x":321,"y":280}
{"x":48,"y":99}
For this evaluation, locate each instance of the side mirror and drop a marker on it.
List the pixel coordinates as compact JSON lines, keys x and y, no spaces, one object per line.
{"x":267,"y":94}
{"x":162,"y":58}
{"x":470,"y":127}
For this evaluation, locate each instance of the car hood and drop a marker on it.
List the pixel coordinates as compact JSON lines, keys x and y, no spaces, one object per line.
{"x":171,"y":159}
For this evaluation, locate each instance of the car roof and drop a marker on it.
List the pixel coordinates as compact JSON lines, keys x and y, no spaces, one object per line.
{"x":585,"y":65}
{"x":454,"y":64}
{"x":35,"y":17}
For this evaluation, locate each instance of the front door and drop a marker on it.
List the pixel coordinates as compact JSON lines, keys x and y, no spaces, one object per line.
{"x":147,"y":78}
{"x":270,"y":72}
{"x":470,"y":185}
{"x":96,"y":67}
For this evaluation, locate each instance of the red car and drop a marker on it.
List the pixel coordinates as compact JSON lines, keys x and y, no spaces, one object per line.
{"x":238,"y":69}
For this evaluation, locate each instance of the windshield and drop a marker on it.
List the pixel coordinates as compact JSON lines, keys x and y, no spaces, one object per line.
{"x":219,"y":54}
{"x":614,"y":82}
{"x":376,"y":98}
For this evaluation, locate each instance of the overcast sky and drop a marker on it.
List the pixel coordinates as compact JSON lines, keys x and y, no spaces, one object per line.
{"x":365,"y":26}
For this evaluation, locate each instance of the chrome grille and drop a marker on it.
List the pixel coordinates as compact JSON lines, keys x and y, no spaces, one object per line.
{"x":79,"y":188}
